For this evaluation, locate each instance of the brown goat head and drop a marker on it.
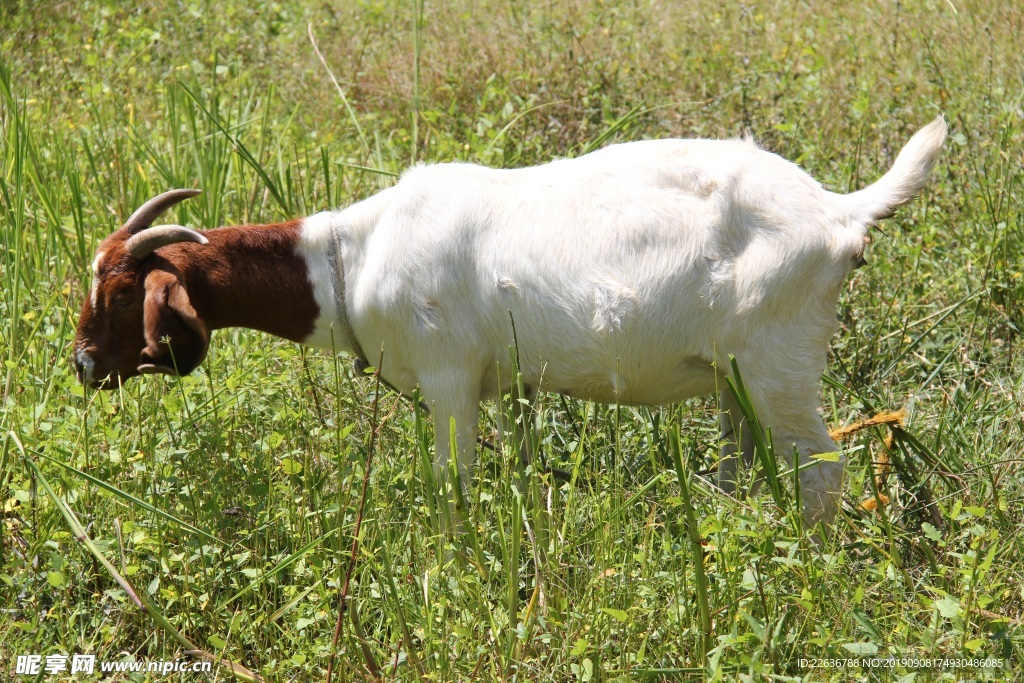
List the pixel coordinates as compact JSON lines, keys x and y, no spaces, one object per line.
{"x":138,"y":318}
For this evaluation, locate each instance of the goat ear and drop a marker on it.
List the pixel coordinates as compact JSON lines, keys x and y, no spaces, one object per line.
{"x":176,"y":337}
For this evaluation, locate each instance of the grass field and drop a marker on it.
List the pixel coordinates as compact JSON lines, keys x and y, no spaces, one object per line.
{"x":219,"y":512}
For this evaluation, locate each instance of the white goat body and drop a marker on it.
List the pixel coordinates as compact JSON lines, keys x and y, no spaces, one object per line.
{"x":627,"y":275}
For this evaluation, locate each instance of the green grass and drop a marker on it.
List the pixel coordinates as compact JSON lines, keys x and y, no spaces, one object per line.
{"x":228,"y":501}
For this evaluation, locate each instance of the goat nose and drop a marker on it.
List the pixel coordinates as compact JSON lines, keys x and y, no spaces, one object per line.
{"x":84,"y":366}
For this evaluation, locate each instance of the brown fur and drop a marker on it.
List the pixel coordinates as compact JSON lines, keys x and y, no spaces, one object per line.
{"x":156,"y":315}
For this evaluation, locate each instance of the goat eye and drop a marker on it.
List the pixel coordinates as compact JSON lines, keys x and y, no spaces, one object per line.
{"x":123,"y":301}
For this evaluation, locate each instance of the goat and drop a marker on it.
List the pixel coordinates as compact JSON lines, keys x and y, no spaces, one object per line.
{"x":627,"y":275}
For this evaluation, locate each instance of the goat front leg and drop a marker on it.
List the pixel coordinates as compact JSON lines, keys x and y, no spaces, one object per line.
{"x":455,"y":407}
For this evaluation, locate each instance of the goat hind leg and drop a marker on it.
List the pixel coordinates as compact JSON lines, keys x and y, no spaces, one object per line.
{"x":821,"y":478}
{"x":737,"y":438}
{"x":788,"y":405}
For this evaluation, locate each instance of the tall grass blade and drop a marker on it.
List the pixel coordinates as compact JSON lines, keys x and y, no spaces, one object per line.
{"x":239,"y":147}
{"x":685,"y":480}
{"x":763,"y":447}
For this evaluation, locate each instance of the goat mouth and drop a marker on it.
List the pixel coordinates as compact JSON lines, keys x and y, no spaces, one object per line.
{"x":113,"y":381}
{"x":106,"y":384}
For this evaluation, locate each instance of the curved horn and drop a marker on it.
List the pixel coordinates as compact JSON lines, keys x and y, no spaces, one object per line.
{"x":146,"y":242}
{"x":148,"y":212}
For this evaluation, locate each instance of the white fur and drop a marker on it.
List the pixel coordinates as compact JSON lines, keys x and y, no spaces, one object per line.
{"x":315,"y":248}
{"x":631,"y":275}
{"x":94,"y":290}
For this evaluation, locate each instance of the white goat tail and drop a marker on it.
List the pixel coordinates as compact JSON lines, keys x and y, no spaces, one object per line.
{"x":908,"y":175}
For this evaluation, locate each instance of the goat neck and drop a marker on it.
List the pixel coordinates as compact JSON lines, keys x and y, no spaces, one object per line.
{"x":248,"y":276}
